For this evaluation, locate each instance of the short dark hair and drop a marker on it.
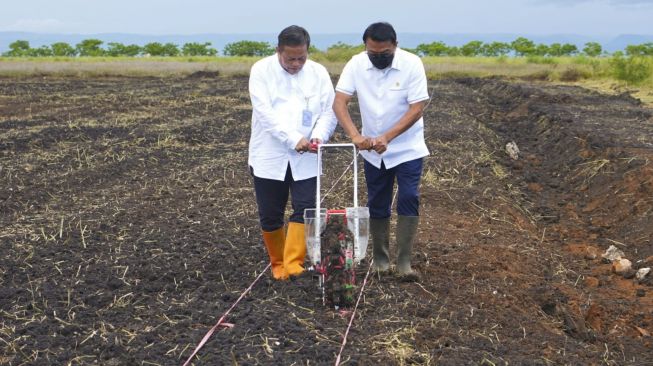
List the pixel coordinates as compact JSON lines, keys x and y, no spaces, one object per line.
{"x":294,"y":36}
{"x":380,"y":32}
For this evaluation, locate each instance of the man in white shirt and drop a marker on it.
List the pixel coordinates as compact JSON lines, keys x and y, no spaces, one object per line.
{"x":392,"y":91}
{"x":292,"y":100}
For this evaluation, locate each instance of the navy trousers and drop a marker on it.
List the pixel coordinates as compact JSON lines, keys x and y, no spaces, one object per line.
{"x":380,"y":184}
{"x":272,"y":198}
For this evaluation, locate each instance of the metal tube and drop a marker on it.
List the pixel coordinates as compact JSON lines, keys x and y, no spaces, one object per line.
{"x":317,"y":201}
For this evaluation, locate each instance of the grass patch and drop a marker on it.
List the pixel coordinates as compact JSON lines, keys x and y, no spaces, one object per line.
{"x":123,"y":66}
{"x":619,"y":70}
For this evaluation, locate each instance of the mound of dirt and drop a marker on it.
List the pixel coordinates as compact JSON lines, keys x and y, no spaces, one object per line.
{"x":204,"y":75}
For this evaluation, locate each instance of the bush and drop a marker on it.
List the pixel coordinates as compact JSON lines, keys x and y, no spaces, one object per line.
{"x":572,"y":74}
{"x":502,"y":59}
{"x":541,"y":60}
{"x":593,"y":62}
{"x":632,"y":70}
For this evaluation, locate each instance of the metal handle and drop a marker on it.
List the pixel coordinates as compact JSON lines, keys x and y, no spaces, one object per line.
{"x":319,"y":172}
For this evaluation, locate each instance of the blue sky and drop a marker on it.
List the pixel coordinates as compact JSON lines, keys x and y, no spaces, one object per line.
{"x":527,"y":17}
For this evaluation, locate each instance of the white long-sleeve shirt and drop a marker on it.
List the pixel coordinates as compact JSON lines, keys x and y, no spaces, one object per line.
{"x":278,"y":103}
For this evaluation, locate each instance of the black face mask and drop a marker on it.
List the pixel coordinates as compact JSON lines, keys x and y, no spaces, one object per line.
{"x":381,"y":60}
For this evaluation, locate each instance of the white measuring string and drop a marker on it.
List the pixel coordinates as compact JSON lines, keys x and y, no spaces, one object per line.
{"x":224,"y":316}
{"x":340,"y":177}
{"x":360,"y":294}
{"x":353,"y":313}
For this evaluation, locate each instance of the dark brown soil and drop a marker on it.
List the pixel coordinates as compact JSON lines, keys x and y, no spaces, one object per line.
{"x":128,"y":226}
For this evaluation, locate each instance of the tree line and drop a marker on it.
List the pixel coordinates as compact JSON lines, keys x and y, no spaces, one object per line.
{"x":94,"y":48}
{"x":520,"y":47}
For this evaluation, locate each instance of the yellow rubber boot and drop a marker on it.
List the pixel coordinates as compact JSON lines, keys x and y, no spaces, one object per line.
{"x":274,"y":242}
{"x":294,"y":251}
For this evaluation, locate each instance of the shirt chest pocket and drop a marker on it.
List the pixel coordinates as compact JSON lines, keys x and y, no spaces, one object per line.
{"x":397,"y":93}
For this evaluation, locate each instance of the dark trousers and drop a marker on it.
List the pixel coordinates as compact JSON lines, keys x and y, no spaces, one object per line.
{"x":272,"y":197}
{"x":380,"y":184}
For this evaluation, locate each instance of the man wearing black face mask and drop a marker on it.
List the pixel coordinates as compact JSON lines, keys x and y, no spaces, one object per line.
{"x":391,"y":87}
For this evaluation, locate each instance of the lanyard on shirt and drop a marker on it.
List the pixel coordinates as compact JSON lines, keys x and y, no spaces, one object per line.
{"x":307,"y":115}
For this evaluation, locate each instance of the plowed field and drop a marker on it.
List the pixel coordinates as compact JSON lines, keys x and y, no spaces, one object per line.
{"x":128,"y":226}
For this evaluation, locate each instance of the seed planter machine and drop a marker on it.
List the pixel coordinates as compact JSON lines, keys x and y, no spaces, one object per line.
{"x":336,"y":240}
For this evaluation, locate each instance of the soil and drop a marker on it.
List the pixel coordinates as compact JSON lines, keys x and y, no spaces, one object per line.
{"x":128,"y":226}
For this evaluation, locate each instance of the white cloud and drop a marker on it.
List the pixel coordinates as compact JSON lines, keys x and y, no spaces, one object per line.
{"x":35,"y":25}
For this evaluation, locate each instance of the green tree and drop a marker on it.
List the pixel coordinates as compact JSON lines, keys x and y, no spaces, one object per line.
{"x":43,"y":51}
{"x":540,"y":50}
{"x":116,"y":49}
{"x":592,"y":49}
{"x":133,"y":50}
{"x":62,"y":49}
{"x":472,"y":48}
{"x":555,"y":50}
{"x":198,"y":49}
{"x":432,"y":49}
{"x":154,"y":49}
{"x":523,"y":46}
{"x":568,"y":49}
{"x":495,"y":49}
{"x":18,"y":48}
{"x":159,"y":49}
{"x":453,"y":51}
{"x":248,"y":48}
{"x":90,"y":47}
{"x":645,"y":49}
{"x":170,"y":49}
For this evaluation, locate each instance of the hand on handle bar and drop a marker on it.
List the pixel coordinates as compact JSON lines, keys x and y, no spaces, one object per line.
{"x":378,"y":144}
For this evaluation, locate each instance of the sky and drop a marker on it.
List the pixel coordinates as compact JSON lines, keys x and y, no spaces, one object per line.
{"x":185,"y":17}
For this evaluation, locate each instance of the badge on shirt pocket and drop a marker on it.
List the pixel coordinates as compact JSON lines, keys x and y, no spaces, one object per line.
{"x":307,"y":118}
